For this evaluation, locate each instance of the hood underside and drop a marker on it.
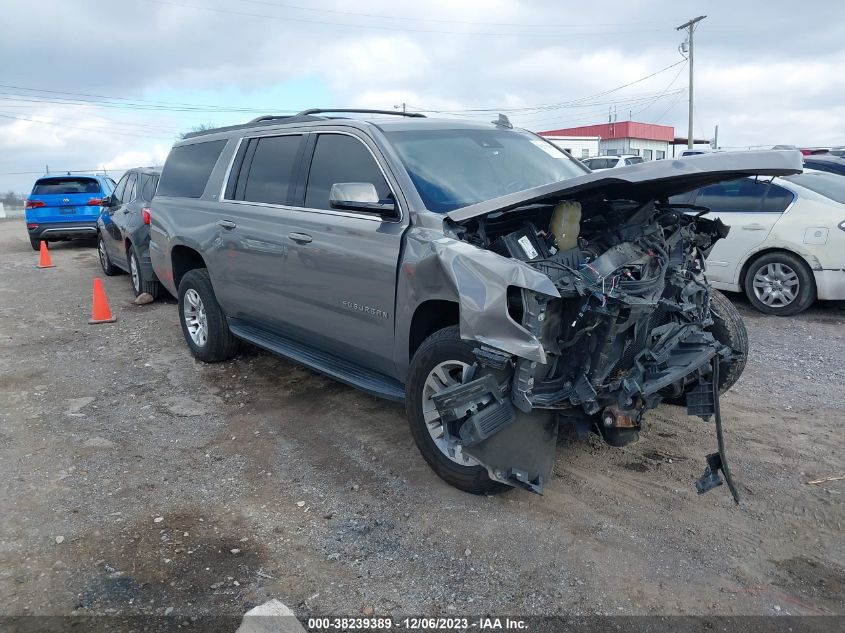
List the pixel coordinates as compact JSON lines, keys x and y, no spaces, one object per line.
{"x":652,"y":180}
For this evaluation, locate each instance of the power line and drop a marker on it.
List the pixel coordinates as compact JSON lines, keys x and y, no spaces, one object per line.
{"x":63,"y":171}
{"x":385,"y":28}
{"x":165,"y":105}
{"x":76,"y":127}
{"x":555,"y":106}
{"x":438,"y":20}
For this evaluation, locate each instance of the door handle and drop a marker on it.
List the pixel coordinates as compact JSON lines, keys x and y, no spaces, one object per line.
{"x":753,"y":227}
{"x":226,"y":224}
{"x":301,"y":238}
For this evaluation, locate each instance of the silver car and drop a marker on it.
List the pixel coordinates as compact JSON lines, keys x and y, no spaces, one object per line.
{"x":473,"y":271}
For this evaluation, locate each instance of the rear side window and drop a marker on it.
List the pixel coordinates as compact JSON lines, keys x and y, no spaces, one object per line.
{"x":341,"y":158}
{"x":65,"y":185}
{"x":187,"y":169}
{"x":828,"y":185}
{"x":736,"y":196}
{"x":777,"y":199}
{"x":637,"y":159}
{"x":148,"y":187}
{"x":267,"y":170}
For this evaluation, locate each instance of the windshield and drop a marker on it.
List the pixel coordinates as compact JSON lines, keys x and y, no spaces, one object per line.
{"x":456,"y":168}
{"x":828,"y":185}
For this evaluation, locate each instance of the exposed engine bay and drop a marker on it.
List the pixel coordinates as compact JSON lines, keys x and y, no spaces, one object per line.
{"x":632,"y":326}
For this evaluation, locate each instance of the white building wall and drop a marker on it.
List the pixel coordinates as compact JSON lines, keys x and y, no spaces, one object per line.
{"x":637,"y":146}
{"x":578,"y":146}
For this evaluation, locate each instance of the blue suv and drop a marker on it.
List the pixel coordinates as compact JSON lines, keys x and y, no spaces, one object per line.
{"x":65,"y":207}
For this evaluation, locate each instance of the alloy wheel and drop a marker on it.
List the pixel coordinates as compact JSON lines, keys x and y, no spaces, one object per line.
{"x":444,"y":375}
{"x":104,"y":257}
{"x":195,"y":317}
{"x":136,"y":276}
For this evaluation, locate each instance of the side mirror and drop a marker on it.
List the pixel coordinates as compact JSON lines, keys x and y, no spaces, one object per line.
{"x":361,"y":197}
{"x":107,"y":202}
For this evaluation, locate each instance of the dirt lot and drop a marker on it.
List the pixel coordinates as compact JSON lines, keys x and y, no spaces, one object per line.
{"x":136,"y":480}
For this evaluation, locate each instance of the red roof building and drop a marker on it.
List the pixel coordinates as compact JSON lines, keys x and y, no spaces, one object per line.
{"x":623,"y":137}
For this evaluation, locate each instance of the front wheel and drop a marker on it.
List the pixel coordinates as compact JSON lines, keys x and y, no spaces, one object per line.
{"x":140,"y":283}
{"x":729,"y":329}
{"x":441,"y":361}
{"x":780,"y":284}
{"x":105,"y":263}
{"x":203,"y":322}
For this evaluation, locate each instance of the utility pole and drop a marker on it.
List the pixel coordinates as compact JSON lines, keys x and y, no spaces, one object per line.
{"x":691,"y":27}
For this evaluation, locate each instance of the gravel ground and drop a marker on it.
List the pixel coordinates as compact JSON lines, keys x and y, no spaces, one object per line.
{"x":135,"y":480}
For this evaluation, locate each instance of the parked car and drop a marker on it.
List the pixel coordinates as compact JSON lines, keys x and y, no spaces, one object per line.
{"x":832,"y":164}
{"x":694,"y":152}
{"x":598,"y":163}
{"x":786,"y":247}
{"x":474,"y":271}
{"x":65,"y":207}
{"x":123,"y":230}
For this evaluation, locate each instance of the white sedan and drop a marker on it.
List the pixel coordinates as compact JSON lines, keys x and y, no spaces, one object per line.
{"x":786,"y":246}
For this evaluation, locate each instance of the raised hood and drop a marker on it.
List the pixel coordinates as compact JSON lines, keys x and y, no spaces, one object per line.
{"x":647,"y":181}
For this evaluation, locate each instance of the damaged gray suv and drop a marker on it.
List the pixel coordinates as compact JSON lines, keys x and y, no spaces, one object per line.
{"x":474,"y":271}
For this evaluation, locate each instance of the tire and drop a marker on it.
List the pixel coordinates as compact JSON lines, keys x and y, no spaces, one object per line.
{"x":36,"y":244}
{"x":140,"y":284}
{"x":444,"y":346}
{"x":218,"y":343}
{"x":784,"y":275}
{"x":729,"y":329}
{"x":109,"y":269}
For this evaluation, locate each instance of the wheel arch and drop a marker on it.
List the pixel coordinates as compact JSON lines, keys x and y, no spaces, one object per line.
{"x":184,"y":259}
{"x":429,"y":317}
{"x":749,"y":261}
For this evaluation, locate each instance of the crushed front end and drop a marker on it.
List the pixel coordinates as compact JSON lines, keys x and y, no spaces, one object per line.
{"x":630,"y":327}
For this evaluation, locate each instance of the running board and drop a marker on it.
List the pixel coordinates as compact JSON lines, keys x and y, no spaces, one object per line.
{"x":366,"y":380}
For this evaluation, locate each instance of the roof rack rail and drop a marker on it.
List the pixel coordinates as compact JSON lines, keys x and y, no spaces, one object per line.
{"x":415,"y":115}
{"x":272,"y":117}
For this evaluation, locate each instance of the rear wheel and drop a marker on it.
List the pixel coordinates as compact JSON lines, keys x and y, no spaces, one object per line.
{"x":105,"y":263}
{"x":440,"y":362}
{"x":203,"y":322}
{"x":140,"y":284}
{"x":780,"y":284}
{"x":35,"y":243}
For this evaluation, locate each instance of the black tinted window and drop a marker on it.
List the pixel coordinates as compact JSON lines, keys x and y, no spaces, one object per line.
{"x":130,"y":193}
{"x":270,"y":173}
{"x":120,"y":188}
{"x":834,"y":167}
{"x":735,"y":196}
{"x":148,"y":186}
{"x":341,"y":158}
{"x":777,"y":199}
{"x":64,"y":185}
{"x":187,"y":169}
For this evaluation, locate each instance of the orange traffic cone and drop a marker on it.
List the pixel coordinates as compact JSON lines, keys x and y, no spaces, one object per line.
{"x":100,"y":313}
{"x":44,"y":259}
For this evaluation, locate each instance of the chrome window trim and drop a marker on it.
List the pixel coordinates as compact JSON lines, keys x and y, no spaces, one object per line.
{"x":228,"y":170}
{"x":337,"y":212}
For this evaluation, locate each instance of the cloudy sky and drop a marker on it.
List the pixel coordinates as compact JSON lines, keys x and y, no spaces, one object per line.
{"x":98,"y":83}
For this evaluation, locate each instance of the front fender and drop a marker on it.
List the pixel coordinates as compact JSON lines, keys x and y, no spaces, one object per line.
{"x":437,"y":266}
